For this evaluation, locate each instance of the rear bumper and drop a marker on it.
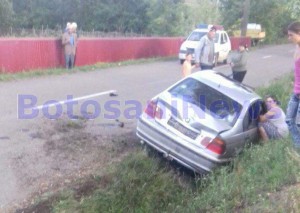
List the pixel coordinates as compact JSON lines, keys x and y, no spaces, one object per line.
{"x":174,"y":147}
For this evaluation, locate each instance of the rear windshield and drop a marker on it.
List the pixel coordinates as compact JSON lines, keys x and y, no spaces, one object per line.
{"x":196,"y":36}
{"x":212,"y":101}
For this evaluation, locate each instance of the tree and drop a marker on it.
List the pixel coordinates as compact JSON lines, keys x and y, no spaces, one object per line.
{"x":231,"y":12}
{"x":245,"y":18}
{"x":272,"y":15}
{"x":204,"y":12}
{"x":124,"y":16}
{"x":167,"y":17}
{"x":6,"y":14}
{"x":293,"y":7}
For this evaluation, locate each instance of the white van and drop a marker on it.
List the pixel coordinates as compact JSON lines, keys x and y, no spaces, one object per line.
{"x":222,"y":44}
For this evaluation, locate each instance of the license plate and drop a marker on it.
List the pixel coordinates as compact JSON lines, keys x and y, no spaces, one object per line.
{"x":179,"y":127}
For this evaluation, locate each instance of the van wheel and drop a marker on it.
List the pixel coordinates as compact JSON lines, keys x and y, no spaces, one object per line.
{"x":225,"y":61}
{"x":181,"y":61}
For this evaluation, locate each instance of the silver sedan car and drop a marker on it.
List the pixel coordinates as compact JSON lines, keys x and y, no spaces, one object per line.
{"x":202,"y":121}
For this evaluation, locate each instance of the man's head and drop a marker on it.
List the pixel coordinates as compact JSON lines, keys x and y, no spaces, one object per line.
{"x":212,"y":31}
{"x":68,"y":27}
{"x":73,"y":27}
{"x":188,"y":56}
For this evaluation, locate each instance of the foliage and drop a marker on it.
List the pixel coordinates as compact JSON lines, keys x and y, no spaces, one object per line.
{"x":231,"y":10}
{"x":294,"y":8}
{"x":150,"y":17}
{"x":138,"y":16}
{"x":6,"y":13}
{"x":273,"y":15}
{"x":167,"y":17}
{"x":203,"y":11}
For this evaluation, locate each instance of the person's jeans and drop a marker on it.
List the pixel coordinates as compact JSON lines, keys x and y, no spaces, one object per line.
{"x":206,"y":67}
{"x":238,"y":76}
{"x":293,"y":109}
{"x":69,"y":61}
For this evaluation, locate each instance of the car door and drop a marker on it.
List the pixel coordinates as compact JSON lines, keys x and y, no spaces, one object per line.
{"x":250,"y":122}
{"x":224,"y":47}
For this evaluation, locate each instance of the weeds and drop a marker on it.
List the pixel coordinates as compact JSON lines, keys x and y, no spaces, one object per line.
{"x":4,"y":76}
{"x":143,"y":184}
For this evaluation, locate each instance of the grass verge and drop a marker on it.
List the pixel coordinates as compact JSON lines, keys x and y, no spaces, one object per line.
{"x":4,"y":76}
{"x":264,"y":178}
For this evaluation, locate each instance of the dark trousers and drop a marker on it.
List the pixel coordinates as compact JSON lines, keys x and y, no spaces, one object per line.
{"x":206,"y":67}
{"x":239,"y":76}
{"x":69,"y":61}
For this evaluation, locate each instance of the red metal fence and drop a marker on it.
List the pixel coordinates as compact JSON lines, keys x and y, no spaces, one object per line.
{"x":30,"y":54}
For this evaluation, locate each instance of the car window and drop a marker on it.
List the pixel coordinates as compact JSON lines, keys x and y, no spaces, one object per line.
{"x":251,"y":118}
{"x":196,"y":36}
{"x":212,"y":101}
{"x":222,"y":38}
{"x":225,"y":38}
{"x":216,"y":38}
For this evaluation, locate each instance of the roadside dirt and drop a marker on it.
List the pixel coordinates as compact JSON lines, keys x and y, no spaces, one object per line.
{"x":70,"y":151}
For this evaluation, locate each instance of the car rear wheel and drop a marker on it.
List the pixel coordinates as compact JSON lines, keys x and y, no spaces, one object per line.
{"x":181,"y":61}
{"x":149,"y":151}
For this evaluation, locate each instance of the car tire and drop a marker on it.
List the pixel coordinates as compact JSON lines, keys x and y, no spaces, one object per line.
{"x":149,"y":151}
{"x":181,"y":61}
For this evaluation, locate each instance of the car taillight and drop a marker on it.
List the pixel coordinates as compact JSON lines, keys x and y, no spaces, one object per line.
{"x":153,"y":110}
{"x":215,"y":145}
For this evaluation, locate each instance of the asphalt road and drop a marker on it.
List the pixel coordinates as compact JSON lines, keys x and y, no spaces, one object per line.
{"x":133,"y":83}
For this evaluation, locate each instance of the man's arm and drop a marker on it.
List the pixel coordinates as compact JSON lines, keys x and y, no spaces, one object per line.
{"x":198,"y":50}
{"x":64,"y":39}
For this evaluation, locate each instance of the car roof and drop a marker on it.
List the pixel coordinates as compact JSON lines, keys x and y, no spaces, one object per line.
{"x":239,"y":92}
{"x":206,"y":30}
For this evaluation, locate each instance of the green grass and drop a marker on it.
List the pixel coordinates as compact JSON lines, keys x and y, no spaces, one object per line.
{"x":4,"y":76}
{"x":262,"y":179}
{"x":281,"y":88}
{"x":147,"y":184}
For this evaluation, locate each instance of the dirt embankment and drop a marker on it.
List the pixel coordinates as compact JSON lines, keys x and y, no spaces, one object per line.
{"x":71,"y":151}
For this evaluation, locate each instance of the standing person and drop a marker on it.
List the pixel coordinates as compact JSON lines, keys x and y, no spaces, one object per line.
{"x":74,"y":39}
{"x":272,"y":124}
{"x":67,"y":27}
{"x":187,"y":65}
{"x":238,"y":63}
{"x":205,"y":51}
{"x":293,"y":107}
{"x":69,"y":41}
